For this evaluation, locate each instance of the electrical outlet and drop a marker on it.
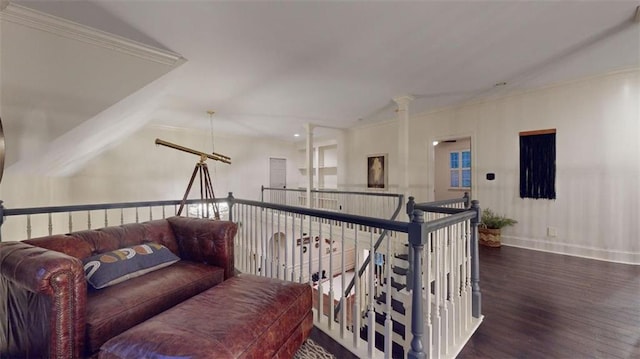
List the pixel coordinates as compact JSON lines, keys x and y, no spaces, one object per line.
{"x":552,"y":232}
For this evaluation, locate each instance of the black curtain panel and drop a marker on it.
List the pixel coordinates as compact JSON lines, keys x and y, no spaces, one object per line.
{"x":538,"y":166}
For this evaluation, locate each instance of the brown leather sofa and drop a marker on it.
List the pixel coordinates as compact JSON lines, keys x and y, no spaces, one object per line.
{"x":48,"y":310}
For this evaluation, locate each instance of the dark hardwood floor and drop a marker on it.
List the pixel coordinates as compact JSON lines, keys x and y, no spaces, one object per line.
{"x":543,"y":305}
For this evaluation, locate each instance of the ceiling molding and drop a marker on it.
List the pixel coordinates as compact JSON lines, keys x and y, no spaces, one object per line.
{"x":55,"y":25}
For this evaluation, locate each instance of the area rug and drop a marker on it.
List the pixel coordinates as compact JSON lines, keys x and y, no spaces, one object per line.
{"x":311,"y":350}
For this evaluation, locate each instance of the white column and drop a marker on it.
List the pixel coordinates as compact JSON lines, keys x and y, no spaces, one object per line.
{"x":403,"y":142}
{"x":309,"y":128}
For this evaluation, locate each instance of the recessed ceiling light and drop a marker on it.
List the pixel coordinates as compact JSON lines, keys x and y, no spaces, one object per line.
{"x":435,"y":143}
{"x":296,"y":135}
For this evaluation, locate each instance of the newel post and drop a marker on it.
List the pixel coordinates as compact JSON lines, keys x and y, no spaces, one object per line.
{"x":411,"y":204}
{"x":230,"y":201}
{"x":476,"y":296}
{"x":467,"y":200}
{"x":417,"y":240}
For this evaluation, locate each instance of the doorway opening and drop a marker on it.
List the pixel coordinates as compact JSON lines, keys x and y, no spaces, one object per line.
{"x":452,"y":168}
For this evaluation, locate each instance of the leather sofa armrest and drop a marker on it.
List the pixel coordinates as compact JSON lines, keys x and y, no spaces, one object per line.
{"x":206,"y":241}
{"x":44,"y":308}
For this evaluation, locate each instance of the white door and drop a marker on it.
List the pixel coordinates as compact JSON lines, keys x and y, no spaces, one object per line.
{"x":277,"y":172}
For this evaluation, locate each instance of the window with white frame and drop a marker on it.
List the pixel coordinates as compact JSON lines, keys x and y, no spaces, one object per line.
{"x":460,"y":169}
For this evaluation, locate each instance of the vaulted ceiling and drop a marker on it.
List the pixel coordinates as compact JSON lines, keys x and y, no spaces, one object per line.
{"x":269,"y":67}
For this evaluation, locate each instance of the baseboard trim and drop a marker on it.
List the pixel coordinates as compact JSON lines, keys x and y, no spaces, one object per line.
{"x":600,"y":254}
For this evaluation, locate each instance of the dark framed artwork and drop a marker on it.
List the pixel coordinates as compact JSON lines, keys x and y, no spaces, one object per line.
{"x":538,"y":164}
{"x":377,"y":171}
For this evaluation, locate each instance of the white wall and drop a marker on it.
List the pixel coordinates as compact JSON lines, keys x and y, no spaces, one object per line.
{"x":596,"y":213}
{"x":137,"y":170}
{"x":361,"y":142}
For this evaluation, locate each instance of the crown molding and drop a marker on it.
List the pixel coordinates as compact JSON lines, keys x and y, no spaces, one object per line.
{"x":34,"y":19}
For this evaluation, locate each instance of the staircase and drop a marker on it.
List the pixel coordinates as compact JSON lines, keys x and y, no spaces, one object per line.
{"x":400,"y":301}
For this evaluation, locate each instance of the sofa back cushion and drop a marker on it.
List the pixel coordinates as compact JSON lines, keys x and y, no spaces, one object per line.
{"x":88,"y":243}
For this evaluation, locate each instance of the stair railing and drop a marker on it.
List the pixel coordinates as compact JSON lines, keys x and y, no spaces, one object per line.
{"x":301,"y":244}
{"x":433,"y":210}
{"x":443,"y":276}
{"x":367,"y":260}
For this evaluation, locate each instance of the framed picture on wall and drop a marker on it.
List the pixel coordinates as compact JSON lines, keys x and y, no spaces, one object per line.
{"x":377,"y":171}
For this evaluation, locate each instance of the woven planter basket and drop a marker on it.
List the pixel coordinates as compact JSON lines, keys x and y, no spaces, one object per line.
{"x":489,"y":237}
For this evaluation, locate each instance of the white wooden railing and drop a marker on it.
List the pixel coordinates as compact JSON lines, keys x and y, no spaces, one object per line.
{"x":381,"y":316}
{"x":370,"y":204}
{"x":377,"y":315}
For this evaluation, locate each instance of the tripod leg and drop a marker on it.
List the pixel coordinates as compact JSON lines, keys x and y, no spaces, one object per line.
{"x":210,"y":194}
{"x":205,"y":210}
{"x":186,"y":193}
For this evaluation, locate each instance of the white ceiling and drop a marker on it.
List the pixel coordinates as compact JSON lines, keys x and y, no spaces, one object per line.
{"x":269,"y":67}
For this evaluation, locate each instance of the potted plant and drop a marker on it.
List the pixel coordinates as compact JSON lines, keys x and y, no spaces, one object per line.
{"x":490,"y":226}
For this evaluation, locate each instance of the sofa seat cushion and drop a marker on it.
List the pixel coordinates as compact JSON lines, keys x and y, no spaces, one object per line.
{"x":112,"y":310}
{"x":244,"y":317}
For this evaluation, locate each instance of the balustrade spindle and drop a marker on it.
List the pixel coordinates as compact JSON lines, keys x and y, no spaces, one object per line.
{"x":106,"y":218}
{"x":331,"y":293}
{"x":467,"y":274}
{"x":457,"y":290}
{"x":388,"y":321}
{"x":277,"y":245}
{"x":242,"y":216}
{"x":286,"y":232}
{"x":239,"y":214}
{"x":240,"y":249}
{"x":242,"y":213}
{"x":28,"y":226}
{"x":254,"y":241}
{"x":320,"y":276}
{"x":70,"y":223}
{"x":310,"y":234}
{"x":150,"y":214}
{"x":356,"y":306}
{"x":437,"y":320}
{"x":370,"y":296}
{"x":121,"y":216}
{"x":50,"y":225}
{"x":263,"y":243}
{"x":448,"y":286}
{"x":270,"y":239}
{"x":301,"y":248}
{"x":475,"y":263}
{"x":343,"y":295}
{"x":428,"y":274}
{"x":293,"y":248}
{"x":88,"y":219}
{"x":138,"y":217}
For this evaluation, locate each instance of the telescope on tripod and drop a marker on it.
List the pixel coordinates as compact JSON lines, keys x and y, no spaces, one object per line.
{"x":202,"y":170}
